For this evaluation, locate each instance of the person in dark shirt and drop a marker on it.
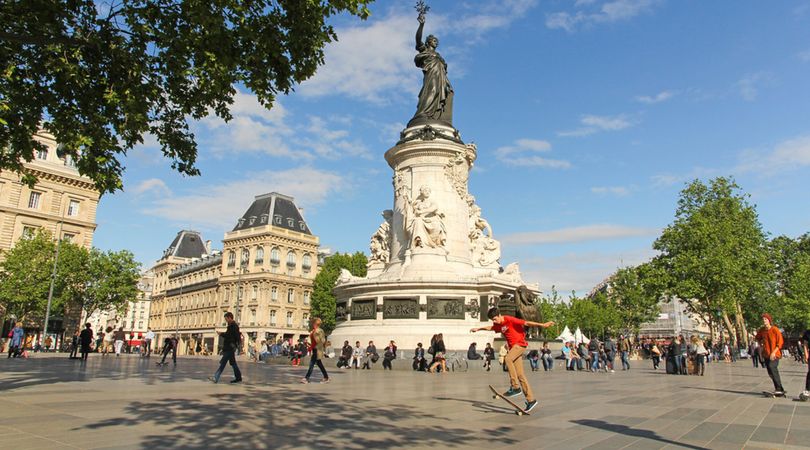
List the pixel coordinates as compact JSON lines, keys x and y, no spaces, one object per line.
{"x":472,"y":352}
{"x":345,"y":355}
{"x":231,"y":340}
{"x":805,"y":343}
{"x":85,"y":339}
{"x":169,"y":345}
{"x":489,"y":355}
{"x":419,"y":358}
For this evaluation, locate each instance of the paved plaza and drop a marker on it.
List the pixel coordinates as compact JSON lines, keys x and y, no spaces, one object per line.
{"x":127,"y":402}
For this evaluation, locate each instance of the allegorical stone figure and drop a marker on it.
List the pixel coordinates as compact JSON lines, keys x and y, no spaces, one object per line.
{"x":436,"y":97}
{"x":380,"y":241}
{"x":424,"y":222}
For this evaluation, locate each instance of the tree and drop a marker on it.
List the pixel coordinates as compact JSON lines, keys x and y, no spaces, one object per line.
{"x":323,"y":300}
{"x":111,"y":282}
{"x":790,"y":302}
{"x":635,"y":292}
{"x":100,"y":75}
{"x":715,"y":254}
{"x":25,"y":277}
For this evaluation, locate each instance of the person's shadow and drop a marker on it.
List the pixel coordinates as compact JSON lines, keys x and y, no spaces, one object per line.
{"x":628,"y":431}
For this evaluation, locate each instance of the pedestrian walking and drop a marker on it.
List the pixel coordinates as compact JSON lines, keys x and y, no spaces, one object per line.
{"x":74,"y":345}
{"x":17,"y":335}
{"x":231,"y":340}
{"x":513,"y":330}
{"x":118,"y":339}
{"x":317,"y":339}
{"x":147,"y":343}
{"x":699,"y":348}
{"x":86,"y":340}
{"x":624,"y":351}
{"x":770,"y":338}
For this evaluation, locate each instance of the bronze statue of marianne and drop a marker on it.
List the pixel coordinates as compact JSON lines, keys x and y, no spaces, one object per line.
{"x":436,"y":97}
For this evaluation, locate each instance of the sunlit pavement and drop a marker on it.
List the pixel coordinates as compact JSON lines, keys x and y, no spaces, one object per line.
{"x":129,"y":402}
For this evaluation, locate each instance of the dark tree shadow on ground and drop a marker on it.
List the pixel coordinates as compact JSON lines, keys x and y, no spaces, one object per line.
{"x":229,"y":420}
{"x":481,"y":406}
{"x":628,"y":431}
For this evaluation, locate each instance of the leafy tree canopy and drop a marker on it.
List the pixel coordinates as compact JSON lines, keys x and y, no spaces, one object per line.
{"x":100,"y":75}
{"x":323,"y":300}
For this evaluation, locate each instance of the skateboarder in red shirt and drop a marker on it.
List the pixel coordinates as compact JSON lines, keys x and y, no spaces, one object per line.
{"x":513,"y":330}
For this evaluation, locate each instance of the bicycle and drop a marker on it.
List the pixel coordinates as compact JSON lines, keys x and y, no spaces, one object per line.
{"x":456,"y":363}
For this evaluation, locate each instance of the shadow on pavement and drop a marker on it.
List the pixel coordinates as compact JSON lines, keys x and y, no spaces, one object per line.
{"x":730,"y":391}
{"x":628,"y":431}
{"x":221,"y":421}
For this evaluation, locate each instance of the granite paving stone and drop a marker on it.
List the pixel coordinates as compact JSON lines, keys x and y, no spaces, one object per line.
{"x":108,"y":403}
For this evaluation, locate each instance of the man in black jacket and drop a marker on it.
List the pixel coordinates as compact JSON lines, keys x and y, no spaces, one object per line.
{"x":231,"y":340}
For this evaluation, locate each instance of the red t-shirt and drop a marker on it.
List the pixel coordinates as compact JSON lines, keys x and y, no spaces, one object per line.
{"x":512,"y":330}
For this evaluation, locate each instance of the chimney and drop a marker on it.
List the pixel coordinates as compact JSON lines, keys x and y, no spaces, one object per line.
{"x":208,"y":247}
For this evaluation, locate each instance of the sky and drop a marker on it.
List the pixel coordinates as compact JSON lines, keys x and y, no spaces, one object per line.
{"x":589,"y":116}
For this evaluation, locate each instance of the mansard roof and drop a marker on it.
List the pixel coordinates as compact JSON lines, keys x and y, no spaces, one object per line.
{"x":187,"y":244}
{"x":273,"y":209}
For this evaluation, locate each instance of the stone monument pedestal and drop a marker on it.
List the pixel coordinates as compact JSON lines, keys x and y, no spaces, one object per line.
{"x":434,"y":265}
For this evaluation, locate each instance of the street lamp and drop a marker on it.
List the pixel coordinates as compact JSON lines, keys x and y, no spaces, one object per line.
{"x":53,"y":274}
{"x":177,"y":325}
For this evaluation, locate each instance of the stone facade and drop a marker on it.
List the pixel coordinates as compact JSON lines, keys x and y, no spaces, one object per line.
{"x":62,"y":202}
{"x":263,"y":274}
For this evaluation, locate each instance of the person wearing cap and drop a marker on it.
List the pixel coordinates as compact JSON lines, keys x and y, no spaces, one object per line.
{"x":770,"y":339}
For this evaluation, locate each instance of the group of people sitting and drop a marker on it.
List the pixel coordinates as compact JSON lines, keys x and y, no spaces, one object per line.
{"x":597,"y":356}
{"x":363,"y":358}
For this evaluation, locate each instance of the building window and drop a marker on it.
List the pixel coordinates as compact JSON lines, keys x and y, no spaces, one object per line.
{"x":290,"y":222}
{"x":255,"y":293}
{"x":33,"y":200}
{"x":29,"y":232}
{"x":140,"y":324}
{"x":252,"y":220}
{"x":245,"y":257}
{"x":231,"y":258}
{"x":274,"y":294}
{"x":273,"y":317}
{"x":275,"y":257}
{"x":306,"y":262}
{"x":277,"y":219}
{"x":305,"y":321}
{"x":68,"y":237}
{"x":306,"y":297}
{"x":263,"y":218}
{"x":259,"y":255}
{"x":291,"y":259}
{"x":252,"y":316}
{"x":42,"y":153}
{"x":73,"y":208}
{"x":289,"y":318}
{"x":290,"y":295}
{"x":301,"y":225}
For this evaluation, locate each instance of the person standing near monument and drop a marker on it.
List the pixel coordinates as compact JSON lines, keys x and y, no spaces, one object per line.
{"x":317,"y":338}
{"x":231,"y":340}
{"x":514,"y":331}
{"x":771,"y":341}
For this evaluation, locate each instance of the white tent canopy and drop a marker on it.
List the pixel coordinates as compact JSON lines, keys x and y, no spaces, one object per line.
{"x":566,"y":335}
{"x":579,"y":337}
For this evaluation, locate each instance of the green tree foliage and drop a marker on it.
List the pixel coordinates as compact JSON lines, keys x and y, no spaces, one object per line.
{"x":790,"y":303}
{"x":100,"y":75}
{"x":323,"y":300}
{"x":89,"y":279}
{"x":715,"y":254}
{"x":634,"y":293}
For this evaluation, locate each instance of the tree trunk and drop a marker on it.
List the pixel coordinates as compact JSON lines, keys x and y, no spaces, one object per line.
{"x":712,"y":330}
{"x":732,"y":330}
{"x":743,"y":328}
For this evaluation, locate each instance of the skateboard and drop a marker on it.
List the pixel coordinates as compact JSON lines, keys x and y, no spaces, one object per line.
{"x":518,"y":410}
{"x":772,"y":394}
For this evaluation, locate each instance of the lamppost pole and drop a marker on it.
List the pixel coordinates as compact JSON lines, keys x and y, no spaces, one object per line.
{"x":53,"y":276}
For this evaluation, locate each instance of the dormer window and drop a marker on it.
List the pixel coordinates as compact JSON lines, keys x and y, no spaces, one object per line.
{"x":301,"y":225}
{"x":42,"y":154}
{"x":264,"y":218}
{"x":252,"y":220}
{"x":290,"y":222}
{"x":277,"y":219}
{"x":241,"y":221}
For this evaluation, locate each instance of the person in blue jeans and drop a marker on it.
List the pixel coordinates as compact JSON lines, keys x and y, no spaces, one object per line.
{"x":593,"y":349}
{"x":534,"y":358}
{"x":231,"y":338}
{"x":545,"y":355}
{"x":624,"y":351}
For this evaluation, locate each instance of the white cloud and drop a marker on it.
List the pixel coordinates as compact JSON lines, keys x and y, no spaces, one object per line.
{"x":620,"y":191}
{"x":580,"y":272}
{"x":373,"y":60}
{"x":524,"y":153}
{"x":590,"y":12}
{"x":594,"y":124}
{"x":332,"y":143}
{"x":221,"y":205}
{"x":788,"y":155}
{"x":658,"y":98}
{"x":749,"y":85}
{"x":598,"y":232}
{"x":804,"y":56}
{"x":155,"y":185}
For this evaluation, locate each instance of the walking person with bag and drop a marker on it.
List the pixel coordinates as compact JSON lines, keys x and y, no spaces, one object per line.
{"x":317,"y":339}
{"x":231,"y":340}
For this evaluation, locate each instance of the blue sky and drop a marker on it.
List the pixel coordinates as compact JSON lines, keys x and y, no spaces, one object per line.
{"x":589,"y":117}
